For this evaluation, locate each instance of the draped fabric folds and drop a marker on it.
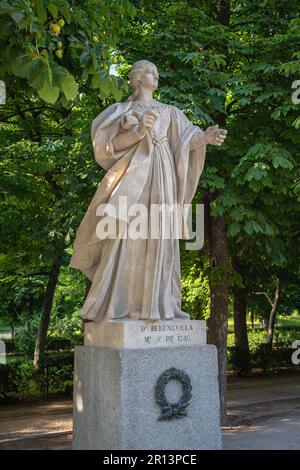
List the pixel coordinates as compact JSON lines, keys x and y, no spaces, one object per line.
{"x":138,"y":278}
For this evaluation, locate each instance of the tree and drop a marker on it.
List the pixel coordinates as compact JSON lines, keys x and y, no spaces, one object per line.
{"x":50,"y":50}
{"x":231,"y":63}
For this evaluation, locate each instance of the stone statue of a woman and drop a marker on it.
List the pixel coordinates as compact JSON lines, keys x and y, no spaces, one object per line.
{"x":154,"y":155}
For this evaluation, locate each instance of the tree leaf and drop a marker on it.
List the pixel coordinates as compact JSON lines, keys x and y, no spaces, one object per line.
{"x":249,"y":227}
{"x":237,"y":214}
{"x":233,"y":229}
{"x":64,"y":81}
{"x":279,"y":161}
{"x":66,"y":12}
{"x":18,"y":17}
{"x":48,"y":92}
{"x":70,"y":87}
{"x":41,"y":11}
{"x":105,"y":87}
{"x":53,"y":10}
{"x":38,"y":73}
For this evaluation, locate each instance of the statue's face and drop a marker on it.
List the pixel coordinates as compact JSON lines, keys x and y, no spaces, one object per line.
{"x":149,"y":78}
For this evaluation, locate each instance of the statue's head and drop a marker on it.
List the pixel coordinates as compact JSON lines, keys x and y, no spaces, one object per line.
{"x":143,"y":74}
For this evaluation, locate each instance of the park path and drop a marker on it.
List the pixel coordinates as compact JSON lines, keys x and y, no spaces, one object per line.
{"x":259,"y":389}
{"x":262,"y":412}
{"x":26,"y":419}
{"x":273,"y":433}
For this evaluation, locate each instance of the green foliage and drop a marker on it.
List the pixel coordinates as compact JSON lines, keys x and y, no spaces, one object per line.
{"x":47,"y":178}
{"x":262,"y":357}
{"x":56,"y":45}
{"x":195,"y":286}
{"x":26,"y":336}
{"x":19,"y":380}
{"x":65,"y":320}
{"x":59,"y":338}
{"x":237,"y":74}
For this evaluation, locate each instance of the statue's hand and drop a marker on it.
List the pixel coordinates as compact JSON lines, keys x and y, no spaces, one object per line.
{"x":215,"y":136}
{"x":128,"y":121}
{"x":148,"y":120}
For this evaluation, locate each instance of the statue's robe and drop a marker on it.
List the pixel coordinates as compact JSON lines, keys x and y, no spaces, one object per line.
{"x":139,"y":278}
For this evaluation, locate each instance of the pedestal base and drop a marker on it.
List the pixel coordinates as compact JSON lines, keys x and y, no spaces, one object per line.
{"x":115,"y":405}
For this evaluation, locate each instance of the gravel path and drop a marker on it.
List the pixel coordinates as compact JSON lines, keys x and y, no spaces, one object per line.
{"x":275,"y":433}
{"x":27,"y":419}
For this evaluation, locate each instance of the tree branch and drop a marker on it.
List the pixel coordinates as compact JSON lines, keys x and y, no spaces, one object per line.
{"x":266,"y":295}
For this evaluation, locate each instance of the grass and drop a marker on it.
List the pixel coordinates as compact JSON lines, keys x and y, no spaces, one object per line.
{"x":288,"y":322}
{"x":4,"y":327}
{"x":291,"y":322}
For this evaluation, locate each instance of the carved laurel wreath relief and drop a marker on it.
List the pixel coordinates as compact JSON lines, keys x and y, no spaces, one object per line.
{"x":173,"y":410}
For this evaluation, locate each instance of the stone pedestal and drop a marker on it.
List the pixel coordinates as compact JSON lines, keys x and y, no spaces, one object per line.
{"x":115,"y":397}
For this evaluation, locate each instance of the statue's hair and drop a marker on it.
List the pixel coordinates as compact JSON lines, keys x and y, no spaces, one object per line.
{"x":135,"y":74}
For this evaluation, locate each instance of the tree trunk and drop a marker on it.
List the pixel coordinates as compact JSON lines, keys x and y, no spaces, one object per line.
{"x":242,"y":353}
{"x":264,"y":324}
{"x":219,"y":285}
{"x":39,"y":353}
{"x":273,"y":314}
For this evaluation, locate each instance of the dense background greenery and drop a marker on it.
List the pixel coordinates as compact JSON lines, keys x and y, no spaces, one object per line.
{"x":230,"y":62}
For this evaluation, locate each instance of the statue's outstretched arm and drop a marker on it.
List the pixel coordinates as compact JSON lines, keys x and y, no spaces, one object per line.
{"x":213,"y":136}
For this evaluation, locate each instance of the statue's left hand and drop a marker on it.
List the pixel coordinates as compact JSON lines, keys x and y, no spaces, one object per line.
{"x":215,"y":136}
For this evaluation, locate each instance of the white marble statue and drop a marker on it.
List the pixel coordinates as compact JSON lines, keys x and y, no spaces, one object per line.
{"x":153,"y":154}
